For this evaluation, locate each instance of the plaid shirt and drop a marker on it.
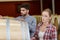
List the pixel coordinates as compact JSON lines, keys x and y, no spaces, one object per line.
{"x":50,"y":33}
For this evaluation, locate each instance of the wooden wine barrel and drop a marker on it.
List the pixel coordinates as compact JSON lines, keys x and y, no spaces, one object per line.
{"x":13,"y":30}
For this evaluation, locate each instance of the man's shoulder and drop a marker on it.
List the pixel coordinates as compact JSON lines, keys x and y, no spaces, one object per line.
{"x":19,"y":17}
{"x":32,"y":17}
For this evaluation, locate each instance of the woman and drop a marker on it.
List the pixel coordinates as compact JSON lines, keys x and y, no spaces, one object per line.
{"x":45,"y":30}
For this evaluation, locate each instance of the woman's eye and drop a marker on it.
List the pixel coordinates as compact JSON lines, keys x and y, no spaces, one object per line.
{"x":45,"y":16}
{"x":23,"y":10}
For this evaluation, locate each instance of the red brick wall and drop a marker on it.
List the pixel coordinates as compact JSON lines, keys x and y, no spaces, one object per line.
{"x":10,"y":8}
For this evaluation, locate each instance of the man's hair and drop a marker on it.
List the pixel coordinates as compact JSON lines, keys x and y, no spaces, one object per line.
{"x":25,"y":5}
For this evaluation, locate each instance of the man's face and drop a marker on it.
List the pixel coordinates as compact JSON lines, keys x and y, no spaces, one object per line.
{"x":24,"y":11}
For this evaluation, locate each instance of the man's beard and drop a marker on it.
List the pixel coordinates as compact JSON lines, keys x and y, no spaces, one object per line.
{"x":23,"y":14}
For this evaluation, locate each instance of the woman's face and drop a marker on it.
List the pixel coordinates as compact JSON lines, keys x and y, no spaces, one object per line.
{"x":45,"y":17}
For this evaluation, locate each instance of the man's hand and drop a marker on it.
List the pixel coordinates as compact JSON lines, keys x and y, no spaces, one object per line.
{"x":21,"y":19}
{"x":1,"y":16}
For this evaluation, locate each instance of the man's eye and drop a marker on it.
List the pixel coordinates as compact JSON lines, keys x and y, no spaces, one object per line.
{"x":23,"y":10}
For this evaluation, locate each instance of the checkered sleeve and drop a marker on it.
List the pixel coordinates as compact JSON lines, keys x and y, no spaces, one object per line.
{"x":53,"y":33}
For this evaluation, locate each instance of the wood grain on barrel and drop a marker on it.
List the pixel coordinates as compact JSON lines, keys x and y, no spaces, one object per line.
{"x":13,"y":30}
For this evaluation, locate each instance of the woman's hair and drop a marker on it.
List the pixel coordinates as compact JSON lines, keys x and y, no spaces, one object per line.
{"x":48,"y":10}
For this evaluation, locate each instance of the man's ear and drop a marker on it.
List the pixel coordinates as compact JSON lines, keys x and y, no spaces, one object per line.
{"x":27,"y":10}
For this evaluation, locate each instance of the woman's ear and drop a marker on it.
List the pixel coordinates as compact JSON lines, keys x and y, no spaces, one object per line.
{"x":50,"y":18}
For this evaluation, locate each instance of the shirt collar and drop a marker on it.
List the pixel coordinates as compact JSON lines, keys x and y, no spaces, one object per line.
{"x":25,"y":16}
{"x":50,"y":25}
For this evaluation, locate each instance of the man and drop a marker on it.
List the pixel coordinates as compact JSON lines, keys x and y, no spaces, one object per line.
{"x":24,"y":9}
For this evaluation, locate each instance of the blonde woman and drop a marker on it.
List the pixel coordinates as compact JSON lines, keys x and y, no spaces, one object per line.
{"x":45,"y":30}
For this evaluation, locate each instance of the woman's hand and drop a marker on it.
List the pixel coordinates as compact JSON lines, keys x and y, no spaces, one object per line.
{"x":33,"y":38}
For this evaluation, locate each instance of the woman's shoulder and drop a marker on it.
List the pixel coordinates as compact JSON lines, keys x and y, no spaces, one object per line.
{"x":52,"y":27}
